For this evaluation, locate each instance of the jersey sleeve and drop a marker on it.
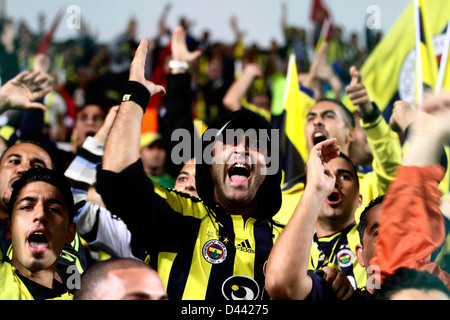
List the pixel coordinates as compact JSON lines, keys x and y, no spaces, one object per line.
{"x":386,"y":149}
{"x":411,"y":223}
{"x":153,"y":214}
{"x":321,"y":289}
{"x":97,"y":225}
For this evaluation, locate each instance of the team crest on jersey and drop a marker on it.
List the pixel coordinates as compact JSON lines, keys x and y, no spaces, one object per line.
{"x":214,"y":251}
{"x":345,"y":258}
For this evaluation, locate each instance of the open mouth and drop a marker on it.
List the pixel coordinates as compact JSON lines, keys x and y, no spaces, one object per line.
{"x":38,"y":241}
{"x":334,"y":199}
{"x":14,"y":179}
{"x":319,"y":136}
{"x":239,"y":173}
{"x":90,"y":134}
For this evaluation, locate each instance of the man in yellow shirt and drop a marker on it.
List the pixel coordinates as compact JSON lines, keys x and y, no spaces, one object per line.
{"x":331,"y":119}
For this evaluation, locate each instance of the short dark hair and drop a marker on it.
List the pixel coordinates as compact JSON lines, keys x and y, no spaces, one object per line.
{"x":348,"y":116}
{"x":98,"y":272}
{"x":363,"y":218}
{"x":36,"y":143}
{"x":56,"y":179}
{"x":408,"y":278}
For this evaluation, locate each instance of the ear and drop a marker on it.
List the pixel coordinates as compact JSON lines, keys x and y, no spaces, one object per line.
{"x":71,"y":231}
{"x":360,"y":197}
{"x":351,"y":134}
{"x":359,"y":256}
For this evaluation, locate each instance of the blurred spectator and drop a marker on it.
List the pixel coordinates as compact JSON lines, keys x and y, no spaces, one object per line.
{"x":9,"y":62}
{"x":154,"y":159}
{"x":355,"y":53}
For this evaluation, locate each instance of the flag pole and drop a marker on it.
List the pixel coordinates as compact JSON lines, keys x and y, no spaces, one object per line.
{"x":323,"y":35}
{"x":45,"y":42}
{"x":444,"y":58}
{"x":419,"y":84}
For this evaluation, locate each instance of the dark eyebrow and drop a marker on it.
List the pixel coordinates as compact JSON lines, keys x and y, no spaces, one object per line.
{"x":375,"y":226}
{"x":39,"y":161}
{"x":322,"y":113}
{"x":26,"y":198}
{"x":56,"y":201}
{"x":17,"y":155}
{"x":12,"y":155}
{"x":341,"y":171}
{"x":183,"y":172}
{"x":49,"y":201}
{"x":327,"y":111}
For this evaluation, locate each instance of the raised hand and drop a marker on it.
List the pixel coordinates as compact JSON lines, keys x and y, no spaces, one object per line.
{"x":439,"y":106}
{"x":339,"y":282}
{"x":103,"y":132}
{"x":179,"y":47}
{"x":20,"y":92}
{"x":357,"y":92}
{"x":137,"y":69}
{"x":319,"y":178}
{"x":403,"y":114}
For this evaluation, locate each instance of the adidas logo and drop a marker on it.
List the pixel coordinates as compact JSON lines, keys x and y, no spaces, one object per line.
{"x":245,"y":247}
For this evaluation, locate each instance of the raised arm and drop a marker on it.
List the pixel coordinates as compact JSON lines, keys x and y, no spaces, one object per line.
{"x":384,"y":143}
{"x":287,"y":266}
{"x":239,"y":88}
{"x":411,"y":223}
{"x":122,"y":145}
{"x":178,"y":100}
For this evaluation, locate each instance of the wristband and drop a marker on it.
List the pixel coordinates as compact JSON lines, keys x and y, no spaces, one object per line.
{"x":173,"y":64}
{"x":136,"y":92}
{"x":373,"y":115}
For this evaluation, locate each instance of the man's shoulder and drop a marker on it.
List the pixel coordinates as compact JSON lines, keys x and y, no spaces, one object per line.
{"x":294,"y":186}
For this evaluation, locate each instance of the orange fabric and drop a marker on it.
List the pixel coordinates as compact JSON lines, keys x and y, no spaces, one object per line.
{"x":150,"y":120}
{"x":411,"y":223}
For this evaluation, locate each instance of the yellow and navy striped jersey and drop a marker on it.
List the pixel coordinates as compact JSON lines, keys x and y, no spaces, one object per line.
{"x":200,"y":252}
{"x":12,"y":287}
{"x":339,"y":251}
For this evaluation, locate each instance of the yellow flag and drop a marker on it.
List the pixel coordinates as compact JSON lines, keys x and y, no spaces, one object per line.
{"x":297,"y":104}
{"x":388,"y":72}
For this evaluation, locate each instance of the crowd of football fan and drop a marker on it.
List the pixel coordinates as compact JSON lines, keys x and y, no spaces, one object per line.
{"x":90,"y":187}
